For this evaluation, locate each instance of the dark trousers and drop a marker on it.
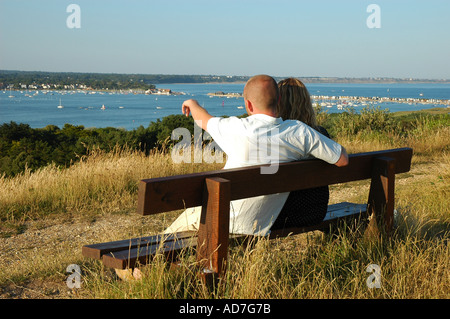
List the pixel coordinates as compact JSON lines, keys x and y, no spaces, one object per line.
{"x":305,"y":207}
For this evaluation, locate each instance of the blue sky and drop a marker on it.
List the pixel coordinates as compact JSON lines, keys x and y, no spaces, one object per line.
{"x":229,"y":37}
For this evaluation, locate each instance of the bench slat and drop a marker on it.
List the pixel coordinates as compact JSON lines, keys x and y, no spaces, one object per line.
{"x":344,"y":209}
{"x":170,"y":193}
{"x":130,"y":257}
{"x":96,"y":251}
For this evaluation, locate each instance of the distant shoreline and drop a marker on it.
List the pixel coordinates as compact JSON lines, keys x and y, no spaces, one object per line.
{"x":372,"y":80}
{"x":337,"y":81}
{"x":13,"y":79}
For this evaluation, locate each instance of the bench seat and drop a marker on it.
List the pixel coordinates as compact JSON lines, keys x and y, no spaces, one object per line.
{"x":129,"y":253}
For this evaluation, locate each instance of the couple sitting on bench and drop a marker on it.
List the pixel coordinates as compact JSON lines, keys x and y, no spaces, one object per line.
{"x":281,"y":127}
{"x":273,"y":142}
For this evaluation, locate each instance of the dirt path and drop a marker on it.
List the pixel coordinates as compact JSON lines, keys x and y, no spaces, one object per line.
{"x":42,"y":240}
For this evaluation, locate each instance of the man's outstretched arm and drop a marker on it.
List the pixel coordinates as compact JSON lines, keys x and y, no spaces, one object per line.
{"x":200,"y":115}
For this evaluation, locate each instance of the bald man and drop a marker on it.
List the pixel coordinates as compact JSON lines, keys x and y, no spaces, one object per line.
{"x":261,"y":138}
{"x":260,"y":97}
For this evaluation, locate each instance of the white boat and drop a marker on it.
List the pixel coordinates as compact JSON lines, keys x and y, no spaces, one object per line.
{"x":103,"y":107}
{"x":60,"y":106}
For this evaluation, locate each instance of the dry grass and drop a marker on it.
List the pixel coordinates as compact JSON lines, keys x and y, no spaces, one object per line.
{"x":414,"y":262}
{"x":101,"y":182}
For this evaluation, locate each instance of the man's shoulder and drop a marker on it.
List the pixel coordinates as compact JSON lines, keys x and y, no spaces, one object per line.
{"x":228,"y":120}
{"x":258,"y":121}
{"x":293,"y":125}
{"x":245,"y":121}
{"x":221,"y":124}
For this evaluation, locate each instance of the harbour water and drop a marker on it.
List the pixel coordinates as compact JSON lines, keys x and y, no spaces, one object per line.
{"x":129,"y":110}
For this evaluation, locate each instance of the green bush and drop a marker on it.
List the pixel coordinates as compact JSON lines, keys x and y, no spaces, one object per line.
{"x":22,"y":147}
{"x":374,"y":123}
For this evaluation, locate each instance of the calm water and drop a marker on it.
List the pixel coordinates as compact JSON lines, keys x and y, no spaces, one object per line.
{"x":129,"y":111}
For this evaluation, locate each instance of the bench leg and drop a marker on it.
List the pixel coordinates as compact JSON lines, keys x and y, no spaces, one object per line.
{"x":381,"y":196}
{"x":213,"y":233}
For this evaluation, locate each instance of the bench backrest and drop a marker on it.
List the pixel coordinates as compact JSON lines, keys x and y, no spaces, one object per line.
{"x":170,"y":193}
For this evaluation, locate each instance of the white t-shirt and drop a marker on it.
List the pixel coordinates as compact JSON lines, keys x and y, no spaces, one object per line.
{"x":255,"y":140}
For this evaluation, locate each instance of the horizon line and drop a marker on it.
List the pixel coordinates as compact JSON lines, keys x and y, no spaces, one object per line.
{"x":242,"y":76}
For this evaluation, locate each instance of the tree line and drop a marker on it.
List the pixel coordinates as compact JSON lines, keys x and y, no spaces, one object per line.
{"x":102,"y":81}
{"x":60,"y":80}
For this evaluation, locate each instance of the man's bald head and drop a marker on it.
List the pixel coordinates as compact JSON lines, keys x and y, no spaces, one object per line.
{"x":262,"y":92}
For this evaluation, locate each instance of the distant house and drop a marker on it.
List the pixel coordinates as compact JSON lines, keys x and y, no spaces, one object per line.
{"x":161,"y":91}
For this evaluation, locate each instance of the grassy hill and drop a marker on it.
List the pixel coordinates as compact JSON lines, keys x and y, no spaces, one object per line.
{"x":49,"y":213}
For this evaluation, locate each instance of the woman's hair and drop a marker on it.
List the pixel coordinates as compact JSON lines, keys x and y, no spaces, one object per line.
{"x":295,"y":102}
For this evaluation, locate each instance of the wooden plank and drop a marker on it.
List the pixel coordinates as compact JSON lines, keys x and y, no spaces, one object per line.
{"x":344,"y":209}
{"x":170,"y":193}
{"x":382,"y":195}
{"x":129,"y":258}
{"x":96,"y":251}
{"x":213,"y":232}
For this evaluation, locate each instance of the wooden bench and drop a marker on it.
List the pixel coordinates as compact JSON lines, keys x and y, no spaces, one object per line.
{"x":214,"y":191}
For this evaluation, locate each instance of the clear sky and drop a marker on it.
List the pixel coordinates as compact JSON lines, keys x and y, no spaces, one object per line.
{"x":229,"y":37}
